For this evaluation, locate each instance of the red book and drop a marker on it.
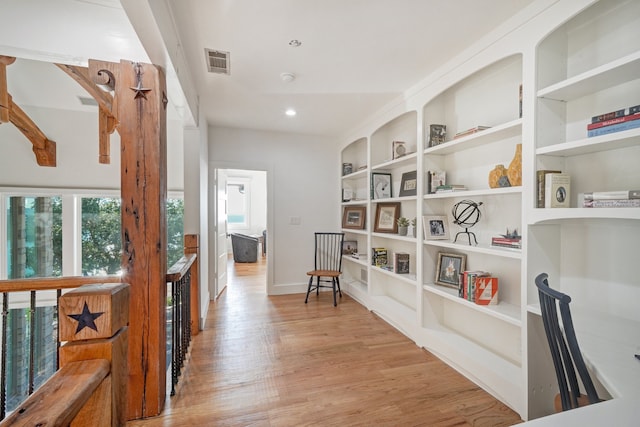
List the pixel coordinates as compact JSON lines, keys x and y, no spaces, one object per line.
{"x":615,"y":121}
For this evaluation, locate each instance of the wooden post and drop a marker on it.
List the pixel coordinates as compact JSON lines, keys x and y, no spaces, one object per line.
{"x":93,"y":321}
{"x":192,"y":246}
{"x":141,"y":100}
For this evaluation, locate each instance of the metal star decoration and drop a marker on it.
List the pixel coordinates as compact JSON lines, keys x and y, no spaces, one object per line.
{"x":86,"y":318}
{"x":141,"y":92}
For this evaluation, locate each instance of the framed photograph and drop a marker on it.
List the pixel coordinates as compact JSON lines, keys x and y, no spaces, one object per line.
{"x":399,"y":149}
{"x":387,"y":215}
{"x":437,"y":134}
{"x":381,"y":185}
{"x":409,"y":184}
{"x":353,"y":217}
{"x":449,"y":268}
{"x":436,"y":227}
{"x":349,"y":247}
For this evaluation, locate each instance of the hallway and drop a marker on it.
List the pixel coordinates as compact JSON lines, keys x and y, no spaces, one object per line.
{"x":274,"y":361}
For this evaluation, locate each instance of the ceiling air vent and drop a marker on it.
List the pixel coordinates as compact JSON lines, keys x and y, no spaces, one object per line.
{"x":87,"y":101}
{"x":217,"y":61}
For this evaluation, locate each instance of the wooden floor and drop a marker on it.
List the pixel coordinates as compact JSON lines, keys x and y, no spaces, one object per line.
{"x":274,"y":361}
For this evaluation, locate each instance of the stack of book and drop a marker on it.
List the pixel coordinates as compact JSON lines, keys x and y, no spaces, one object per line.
{"x":612,"y":199}
{"x":479,"y":287}
{"x":614,"y":121}
{"x":470,"y":131}
{"x":448,"y":188}
{"x":507,"y":242}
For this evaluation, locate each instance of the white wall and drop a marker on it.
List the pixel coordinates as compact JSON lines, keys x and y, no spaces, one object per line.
{"x":76,"y":137}
{"x":302,"y":183}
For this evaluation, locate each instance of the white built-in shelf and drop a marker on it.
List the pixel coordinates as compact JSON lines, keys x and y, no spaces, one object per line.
{"x":621,"y":70}
{"x":474,"y":193}
{"x":394,"y":312}
{"x":394,"y":199}
{"x":481,"y":249}
{"x":355,"y":202}
{"x":361,"y":261}
{"x":612,"y":141}
{"x":407,"y":278}
{"x":502,"y":131}
{"x":362,"y":173}
{"x":395,"y":237}
{"x":534,"y":309}
{"x":540,"y":215}
{"x":352,"y":231}
{"x":506,"y":312}
{"x":401,"y":161}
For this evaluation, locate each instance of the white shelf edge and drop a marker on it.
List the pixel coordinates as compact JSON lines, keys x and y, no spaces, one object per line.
{"x":353,"y":231}
{"x":482,"y":249}
{"x":481,"y":192}
{"x":506,"y":312}
{"x":409,"y":279}
{"x":504,"y":130}
{"x":396,"y":162}
{"x":395,"y":237}
{"x":612,"y":141}
{"x":594,"y":80}
{"x":395,"y":199}
{"x":355,"y":202}
{"x":348,"y":258}
{"x":362,"y":173}
{"x":540,"y":215}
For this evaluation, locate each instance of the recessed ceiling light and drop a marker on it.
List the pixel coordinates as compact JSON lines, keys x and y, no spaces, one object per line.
{"x":290,"y":112}
{"x":295,"y":43}
{"x":287,"y":77}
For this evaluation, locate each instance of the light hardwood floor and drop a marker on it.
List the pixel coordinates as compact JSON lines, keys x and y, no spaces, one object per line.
{"x":275,"y":361}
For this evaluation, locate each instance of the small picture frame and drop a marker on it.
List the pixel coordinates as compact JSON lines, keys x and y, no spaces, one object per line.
{"x":450,"y":266}
{"x":387,"y":215}
{"x":353,"y":217}
{"x":381,"y":185}
{"x":409,"y":184}
{"x":399,"y":149}
{"x":436,"y":227}
{"x":437,"y":134}
{"x":349,"y":247}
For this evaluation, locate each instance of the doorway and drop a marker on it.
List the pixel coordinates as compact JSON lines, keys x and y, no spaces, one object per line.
{"x":245,"y":209}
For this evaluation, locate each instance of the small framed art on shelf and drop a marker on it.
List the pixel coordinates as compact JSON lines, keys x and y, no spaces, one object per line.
{"x":409,"y":184}
{"x":387,"y":217}
{"x":353,"y":217}
{"x":436,"y":227}
{"x":449,"y":268}
{"x":381,"y":185}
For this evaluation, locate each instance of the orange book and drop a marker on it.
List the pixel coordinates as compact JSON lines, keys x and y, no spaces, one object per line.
{"x":486,"y":291}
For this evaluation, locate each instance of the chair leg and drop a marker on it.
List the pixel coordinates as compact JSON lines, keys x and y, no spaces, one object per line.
{"x":338,"y":283}
{"x":318,"y":286}
{"x":308,"y":289}
{"x":333,"y":285}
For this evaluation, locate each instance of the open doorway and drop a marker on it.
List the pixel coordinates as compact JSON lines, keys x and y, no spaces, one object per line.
{"x":246,"y":210}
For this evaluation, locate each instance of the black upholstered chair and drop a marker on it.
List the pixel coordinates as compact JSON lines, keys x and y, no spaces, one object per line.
{"x":565,"y":351}
{"x":327,"y":264}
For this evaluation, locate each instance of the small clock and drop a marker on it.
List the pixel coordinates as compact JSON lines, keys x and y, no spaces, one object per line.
{"x":399,"y":149}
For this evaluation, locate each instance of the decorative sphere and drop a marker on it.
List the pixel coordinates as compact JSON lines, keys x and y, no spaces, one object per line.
{"x":466,"y":213}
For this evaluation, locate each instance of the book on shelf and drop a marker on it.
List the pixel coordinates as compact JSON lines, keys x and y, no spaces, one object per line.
{"x":486,"y":291}
{"x":540,"y":185}
{"x":379,"y":257}
{"x":450,"y":187}
{"x":467,"y":287}
{"x":623,"y":119}
{"x":634,"y":110}
{"x":401,"y":262}
{"x":557,"y":190}
{"x":611,"y":203}
{"x":612,"y":195}
{"x":633,"y":124}
{"x":470,"y":131}
{"x":607,"y":116}
{"x":506,"y":242}
{"x":360,"y":256}
{"x":437,"y":134}
{"x":435,"y":179}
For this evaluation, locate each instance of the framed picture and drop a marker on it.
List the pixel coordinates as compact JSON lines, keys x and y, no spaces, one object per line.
{"x":409,"y":184}
{"x":353,"y":217}
{"x":399,"y":149}
{"x":436,"y":227}
{"x":349,"y":247}
{"x":387,"y":215}
{"x":437,"y":134}
{"x":449,"y":268}
{"x":381,"y":185}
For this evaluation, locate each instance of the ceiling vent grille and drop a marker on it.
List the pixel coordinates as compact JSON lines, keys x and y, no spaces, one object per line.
{"x":217,"y":61}
{"x":87,"y":101}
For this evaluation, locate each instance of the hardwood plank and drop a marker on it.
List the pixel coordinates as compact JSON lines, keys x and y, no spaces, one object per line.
{"x":275,"y":361}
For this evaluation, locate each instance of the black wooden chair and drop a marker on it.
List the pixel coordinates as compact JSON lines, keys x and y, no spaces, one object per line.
{"x":327,"y":265}
{"x":565,"y":351}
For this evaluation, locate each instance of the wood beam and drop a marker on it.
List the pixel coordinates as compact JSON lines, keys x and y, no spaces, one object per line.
{"x":98,"y":83}
{"x":43,"y":148}
{"x":4,"y":94}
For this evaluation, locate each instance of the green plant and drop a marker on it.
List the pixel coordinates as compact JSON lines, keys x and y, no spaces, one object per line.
{"x":403,"y":222}
{"x":413,"y":222}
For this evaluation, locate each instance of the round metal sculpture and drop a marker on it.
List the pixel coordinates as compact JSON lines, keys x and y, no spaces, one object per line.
{"x":466,"y":214}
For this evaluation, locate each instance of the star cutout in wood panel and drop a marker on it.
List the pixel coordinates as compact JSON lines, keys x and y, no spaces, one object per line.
{"x":86,"y":319}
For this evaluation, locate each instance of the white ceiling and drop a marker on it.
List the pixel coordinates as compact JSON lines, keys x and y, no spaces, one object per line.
{"x":356,"y":55}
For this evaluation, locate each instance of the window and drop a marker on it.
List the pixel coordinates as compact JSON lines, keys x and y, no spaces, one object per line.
{"x":238,"y":196}
{"x":101,"y":236}
{"x":175,"y":230}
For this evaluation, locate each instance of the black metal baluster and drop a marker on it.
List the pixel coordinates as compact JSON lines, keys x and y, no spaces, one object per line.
{"x":174,"y":375}
{"x":3,"y":367}
{"x":56,"y":336}
{"x":32,"y":339}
